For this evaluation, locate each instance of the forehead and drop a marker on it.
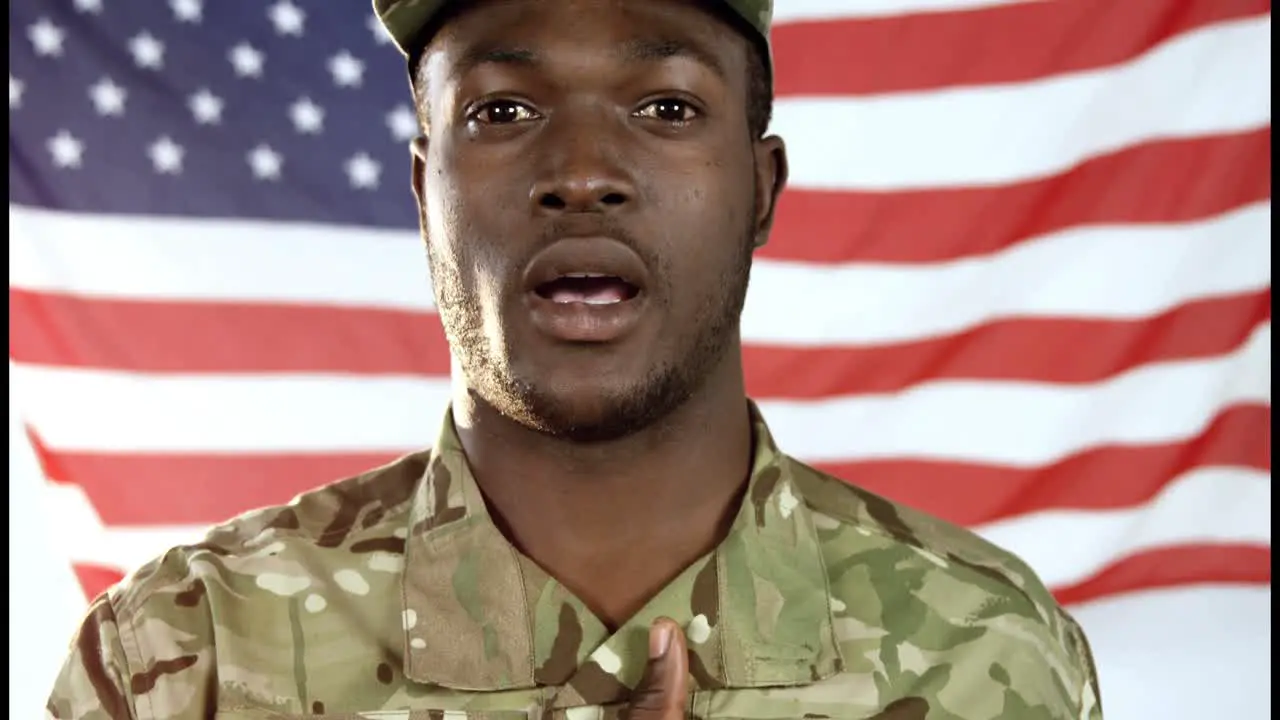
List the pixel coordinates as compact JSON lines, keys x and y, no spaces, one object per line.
{"x":583,"y":31}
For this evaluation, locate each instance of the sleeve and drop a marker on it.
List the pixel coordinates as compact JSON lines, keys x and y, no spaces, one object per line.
{"x":1089,"y":694}
{"x":94,"y":681}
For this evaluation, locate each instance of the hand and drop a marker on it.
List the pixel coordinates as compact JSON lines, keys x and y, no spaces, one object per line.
{"x":662,"y":691}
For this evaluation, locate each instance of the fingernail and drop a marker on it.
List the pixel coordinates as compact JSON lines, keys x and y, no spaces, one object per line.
{"x":660,"y":641}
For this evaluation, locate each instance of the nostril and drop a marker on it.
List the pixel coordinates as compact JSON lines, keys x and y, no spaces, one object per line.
{"x":613,"y":199}
{"x":551,"y":201}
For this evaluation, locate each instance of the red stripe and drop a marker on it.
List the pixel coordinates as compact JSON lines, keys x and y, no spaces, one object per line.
{"x":1031,"y":350}
{"x":1235,"y":564}
{"x":1160,"y":182}
{"x":203,"y":489}
{"x":1006,"y":44}
{"x":206,"y":337}
{"x":95,"y":579}
{"x":1114,"y":476}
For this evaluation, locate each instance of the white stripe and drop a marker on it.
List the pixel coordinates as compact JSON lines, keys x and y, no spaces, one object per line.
{"x":1185,"y":653}
{"x":1118,"y":272}
{"x":162,"y":258}
{"x":1013,"y":423}
{"x":1205,"y":506}
{"x":1114,"y":272}
{"x":1213,"y":80}
{"x":1026,"y":424}
{"x":785,"y":11}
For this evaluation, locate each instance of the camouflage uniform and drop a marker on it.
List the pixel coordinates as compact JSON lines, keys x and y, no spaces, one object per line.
{"x":392,"y":595}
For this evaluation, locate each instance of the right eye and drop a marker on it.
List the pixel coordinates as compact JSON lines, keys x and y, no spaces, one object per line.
{"x":503,"y":112}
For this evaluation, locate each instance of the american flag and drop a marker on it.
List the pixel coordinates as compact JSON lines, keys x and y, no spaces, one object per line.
{"x":1039,"y":233}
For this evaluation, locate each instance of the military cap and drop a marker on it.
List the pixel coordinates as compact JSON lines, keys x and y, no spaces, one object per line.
{"x":406,"y":20}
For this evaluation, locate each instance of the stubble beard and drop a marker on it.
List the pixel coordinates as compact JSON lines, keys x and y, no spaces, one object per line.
{"x":618,"y":412}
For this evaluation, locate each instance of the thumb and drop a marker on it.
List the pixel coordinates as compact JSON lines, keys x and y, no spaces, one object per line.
{"x":663,"y":688}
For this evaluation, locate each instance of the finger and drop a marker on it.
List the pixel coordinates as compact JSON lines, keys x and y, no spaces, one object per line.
{"x":664,"y":686}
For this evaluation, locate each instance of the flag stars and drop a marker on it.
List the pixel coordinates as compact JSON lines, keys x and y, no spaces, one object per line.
{"x":46,"y":37}
{"x":347,"y":69}
{"x":402,"y":123}
{"x":265,"y":162}
{"x":205,"y":107}
{"x":66,"y":149}
{"x":287,"y":18}
{"x":247,"y":60}
{"x":108,"y":98}
{"x":89,"y":6}
{"x":363,"y":171}
{"x":147,"y":50}
{"x":166,"y":156}
{"x":307,"y":117}
{"x":186,"y":11}
{"x":380,"y":34}
{"x":16,"y":88}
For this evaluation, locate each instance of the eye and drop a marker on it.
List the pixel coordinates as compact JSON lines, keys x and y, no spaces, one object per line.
{"x":669,"y":110}
{"x":504,"y":112}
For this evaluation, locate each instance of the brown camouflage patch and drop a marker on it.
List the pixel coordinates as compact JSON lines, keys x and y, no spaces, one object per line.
{"x":89,"y":644}
{"x":191,"y":596}
{"x":384,"y":544}
{"x":143,"y":682}
{"x":563,"y":659}
{"x":912,"y":708}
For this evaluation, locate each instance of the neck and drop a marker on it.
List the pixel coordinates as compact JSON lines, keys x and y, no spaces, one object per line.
{"x":668,"y":492}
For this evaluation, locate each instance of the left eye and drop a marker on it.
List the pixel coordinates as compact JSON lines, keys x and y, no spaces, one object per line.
{"x":670,"y":110}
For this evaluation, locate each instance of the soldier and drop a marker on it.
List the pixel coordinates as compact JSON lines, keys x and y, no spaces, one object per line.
{"x":604,"y":527}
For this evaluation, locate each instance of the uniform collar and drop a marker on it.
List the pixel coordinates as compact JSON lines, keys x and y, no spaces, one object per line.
{"x":481,"y":617}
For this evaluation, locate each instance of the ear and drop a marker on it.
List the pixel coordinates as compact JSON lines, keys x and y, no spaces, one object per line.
{"x":771,"y":179}
{"x":418,"y":150}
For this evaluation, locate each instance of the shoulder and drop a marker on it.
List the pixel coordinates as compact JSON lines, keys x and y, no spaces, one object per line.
{"x":342,"y":516}
{"x":930,"y":598}
{"x":241,"y":588}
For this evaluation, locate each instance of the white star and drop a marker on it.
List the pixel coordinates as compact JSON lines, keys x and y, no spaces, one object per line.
{"x":403,"y":123}
{"x":148,"y":52}
{"x":166,"y":156}
{"x":265,"y":162}
{"x":206,"y":107}
{"x":247,"y":60}
{"x":15,"y":92}
{"x":108,"y":97}
{"x":47,"y":37}
{"x":307,"y":116}
{"x":186,"y":10}
{"x":89,"y":6}
{"x":67,"y":151}
{"x":347,"y":69}
{"x":363,"y":171}
{"x":287,"y":18}
{"x":380,"y":34}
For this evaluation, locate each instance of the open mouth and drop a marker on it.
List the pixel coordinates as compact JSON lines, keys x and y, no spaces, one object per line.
{"x":587,"y":288}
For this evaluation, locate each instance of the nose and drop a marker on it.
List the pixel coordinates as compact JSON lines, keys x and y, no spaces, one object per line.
{"x":583,"y":169}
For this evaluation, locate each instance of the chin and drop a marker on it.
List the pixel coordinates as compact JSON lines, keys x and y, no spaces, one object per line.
{"x":590,"y":409}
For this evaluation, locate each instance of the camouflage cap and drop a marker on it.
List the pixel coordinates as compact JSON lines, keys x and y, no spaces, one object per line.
{"x":405,"y":21}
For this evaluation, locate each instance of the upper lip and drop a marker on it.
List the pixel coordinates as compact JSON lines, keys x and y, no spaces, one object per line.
{"x":598,"y":256}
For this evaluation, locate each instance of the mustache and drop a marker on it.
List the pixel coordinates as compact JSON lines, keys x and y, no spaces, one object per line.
{"x":561,"y":228}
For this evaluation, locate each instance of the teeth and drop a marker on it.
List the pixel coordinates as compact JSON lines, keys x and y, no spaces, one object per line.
{"x":605,"y":301}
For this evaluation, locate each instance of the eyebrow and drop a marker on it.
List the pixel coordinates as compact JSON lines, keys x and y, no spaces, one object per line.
{"x":647,"y":50}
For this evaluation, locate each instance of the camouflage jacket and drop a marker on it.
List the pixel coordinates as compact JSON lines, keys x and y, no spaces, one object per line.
{"x":392,"y":595}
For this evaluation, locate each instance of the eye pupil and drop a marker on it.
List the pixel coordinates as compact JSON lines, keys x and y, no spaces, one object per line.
{"x":669,"y":110}
{"x":503,"y":112}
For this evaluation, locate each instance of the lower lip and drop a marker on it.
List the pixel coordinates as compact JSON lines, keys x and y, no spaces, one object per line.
{"x":584,"y":322}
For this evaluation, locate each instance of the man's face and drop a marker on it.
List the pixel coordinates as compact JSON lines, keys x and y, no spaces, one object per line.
{"x":590,"y":197}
